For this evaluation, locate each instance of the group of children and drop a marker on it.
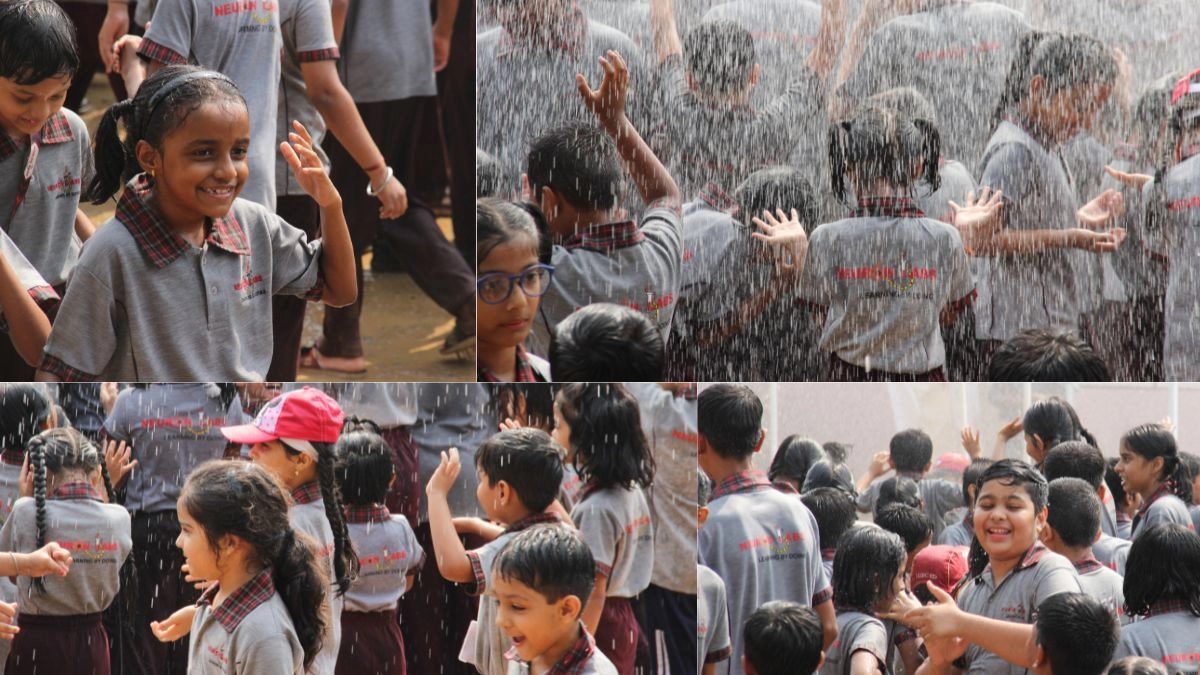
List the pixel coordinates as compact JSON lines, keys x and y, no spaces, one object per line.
{"x":1066,"y":563}
{"x":1016,"y":176}
{"x":232,"y":207}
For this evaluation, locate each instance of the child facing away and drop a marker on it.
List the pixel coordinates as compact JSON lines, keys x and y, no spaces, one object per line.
{"x":388,"y":554}
{"x":60,"y":619}
{"x":1076,"y":634}
{"x":542,"y":579}
{"x":868,"y":576}
{"x":178,"y":288}
{"x":519,"y":474}
{"x":1162,"y":589}
{"x":910,"y":453}
{"x":1076,"y":459}
{"x":604,"y":342}
{"x":1149,"y":465}
{"x":712,"y":610}
{"x":783,"y":638}
{"x":1072,"y":525}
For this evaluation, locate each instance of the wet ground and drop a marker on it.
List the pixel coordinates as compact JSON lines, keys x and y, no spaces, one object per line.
{"x":402,"y":328}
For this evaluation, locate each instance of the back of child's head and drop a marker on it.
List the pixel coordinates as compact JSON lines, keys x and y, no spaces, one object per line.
{"x":1016,"y":472}
{"x":37,"y":42}
{"x":1054,"y":421}
{"x":364,"y":468}
{"x":777,"y":187}
{"x":498,"y":223}
{"x":794,"y":458}
{"x":1150,"y":118}
{"x":1137,"y":665}
{"x":1062,"y":61}
{"x":719,"y":56}
{"x":579,"y":162}
{"x":1074,"y":511}
{"x":1047,"y":356}
{"x":971,"y":476}
{"x":550,"y":559}
{"x":530,"y":403}
{"x":783,"y":638}
{"x":868,"y":560}
{"x":834,"y":511}
{"x":881,"y":144}
{"x":605,"y":342}
{"x":729,"y":417}
{"x":1075,"y":459}
{"x":489,"y":175}
{"x":1112,"y":481}
{"x":1077,"y":633}
{"x":911,"y":450}
{"x":914,"y":527}
{"x":162,"y":104}
{"x":1163,"y":566}
{"x":907,"y":101}
{"x":610,"y":447}
{"x":244,"y":500}
{"x":1183,"y":119}
{"x":826,"y":474}
{"x":24,"y":411}
{"x":1152,"y":441}
{"x":528,"y":460}
{"x":898,"y":490}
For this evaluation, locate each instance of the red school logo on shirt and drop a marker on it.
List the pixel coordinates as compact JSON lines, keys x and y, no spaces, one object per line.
{"x":66,"y":186}
{"x":219,"y":655}
{"x":385,"y":560}
{"x":780,"y":543}
{"x":638,"y":526}
{"x":233,"y":8}
{"x":902,"y":277}
{"x":196,"y":428}
{"x":250,"y":286}
{"x":90,"y":551}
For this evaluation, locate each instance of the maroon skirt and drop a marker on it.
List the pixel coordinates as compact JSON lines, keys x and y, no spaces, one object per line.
{"x":843,"y":371}
{"x":618,"y":634}
{"x":71,"y":645}
{"x":371,"y":644}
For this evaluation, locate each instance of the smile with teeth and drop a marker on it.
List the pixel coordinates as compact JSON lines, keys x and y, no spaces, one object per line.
{"x":219,"y":191}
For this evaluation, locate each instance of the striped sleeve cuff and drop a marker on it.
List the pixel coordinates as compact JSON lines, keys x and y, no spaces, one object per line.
{"x":150,"y":49}
{"x":480,"y":583}
{"x":719,"y":655}
{"x":822,"y":596}
{"x":314,"y":55}
{"x":44,"y":296}
{"x":67,"y":373}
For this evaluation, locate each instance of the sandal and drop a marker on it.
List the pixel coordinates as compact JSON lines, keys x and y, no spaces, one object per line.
{"x":311,"y":359}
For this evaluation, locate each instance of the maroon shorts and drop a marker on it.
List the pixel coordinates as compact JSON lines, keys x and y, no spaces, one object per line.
{"x":66,"y":645}
{"x":842,"y":371}
{"x":371,"y":644}
{"x":618,"y":634}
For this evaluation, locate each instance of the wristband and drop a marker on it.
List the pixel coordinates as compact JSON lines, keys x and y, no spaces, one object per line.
{"x":374,"y":191}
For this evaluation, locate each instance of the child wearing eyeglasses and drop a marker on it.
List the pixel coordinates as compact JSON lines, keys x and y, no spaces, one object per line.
{"x":510,"y":281}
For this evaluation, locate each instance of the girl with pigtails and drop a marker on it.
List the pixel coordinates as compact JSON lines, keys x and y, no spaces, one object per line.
{"x":60,"y":620}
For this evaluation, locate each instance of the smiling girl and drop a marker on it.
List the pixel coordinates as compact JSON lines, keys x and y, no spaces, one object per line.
{"x":178,"y":285}
{"x":1149,"y":466}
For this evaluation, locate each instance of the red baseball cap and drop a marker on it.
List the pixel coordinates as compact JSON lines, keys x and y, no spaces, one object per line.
{"x":952,"y":461}
{"x":943,"y":565}
{"x":306,"y":414}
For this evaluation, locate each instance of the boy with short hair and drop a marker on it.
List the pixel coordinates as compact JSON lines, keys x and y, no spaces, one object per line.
{"x":548,"y":573}
{"x":783,"y":638}
{"x":764,"y":544}
{"x":834,"y":511}
{"x":604,"y":342}
{"x":519,"y":473}
{"x":1077,"y":459}
{"x":911,"y":525}
{"x":1075,"y":636}
{"x":1071,"y":526}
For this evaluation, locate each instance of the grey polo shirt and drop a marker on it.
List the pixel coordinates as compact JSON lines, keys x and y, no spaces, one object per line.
{"x":1163,"y":507}
{"x":784,"y":31}
{"x":1039,"y":575}
{"x":956,"y":183}
{"x":388,"y":404}
{"x":1168,"y":635}
{"x":387,"y":51}
{"x":172,"y":429}
{"x":669,"y":422}
{"x":1103,"y":584}
{"x":240,"y":40}
{"x":574,"y":661}
{"x":856,"y":632}
{"x":146,"y":305}
{"x":452,"y":416}
{"x":10,"y":488}
{"x":260,"y":639}
{"x":938,"y":497}
{"x":617,"y":527}
{"x":1181,"y":228}
{"x":712,"y":619}
{"x":958,"y":534}
{"x":631,"y":17}
{"x":1112,"y":552}
{"x":388,"y":552}
{"x":310,"y":518}
{"x":307,"y":30}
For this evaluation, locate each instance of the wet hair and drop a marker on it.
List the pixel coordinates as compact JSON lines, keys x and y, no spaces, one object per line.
{"x":535,"y":399}
{"x":783,"y":638}
{"x":1074,"y":511}
{"x":729,"y":417}
{"x":552,"y":560}
{"x":914,"y":527}
{"x":1150,"y":117}
{"x":1137,"y":665}
{"x":1055,"y":421}
{"x":1075,"y":459}
{"x":606,"y":434}
{"x":971,"y":477}
{"x":528,"y":460}
{"x":1163,"y":564}
{"x":24,"y":410}
{"x":911,"y":450}
{"x":1078,"y":634}
{"x":867,"y":560}
{"x":345,"y":560}
{"x":37,"y":42}
{"x":244,"y":500}
{"x":880,"y":143}
{"x":777,"y":187}
{"x":1155,"y":440}
{"x":579,"y":162}
{"x":719,"y":56}
{"x":1112,"y":481}
{"x":1047,"y":356}
{"x":604,"y":342}
{"x":794,"y":458}
{"x":1191,"y":469}
{"x":907,"y":101}
{"x":898,"y":490}
{"x":364,"y":467}
{"x":834,"y":511}
{"x":1182,"y":119}
{"x":1008,"y":472}
{"x":825,"y":473}
{"x":488,"y":174}
{"x":150,"y":116}
{"x":501,"y":222}
{"x":1063,"y":61}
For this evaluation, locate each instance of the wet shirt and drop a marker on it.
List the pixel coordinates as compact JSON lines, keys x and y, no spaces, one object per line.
{"x":712,"y":618}
{"x":1167,"y":635}
{"x":856,"y":632}
{"x":784,"y":31}
{"x":938,"y":497}
{"x":1039,"y":575}
{"x":98,"y":537}
{"x":452,"y":416}
{"x":307,"y":515}
{"x":1103,"y":584}
{"x":885,"y":276}
{"x":172,"y":429}
{"x":764,"y":546}
{"x":956,"y":183}
{"x":250,"y":632}
{"x":387,"y":51}
{"x":617,"y":527}
{"x":388,"y":552}
{"x":239,"y":38}
{"x":144,"y":304}
{"x":1112,"y":552}
{"x":1175,"y":205}
{"x":307,"y":30}
{"x":581,"y":659}
{"x":635,"y":264}
{"x":1035,"y":290}
{"x":10,"y":481}
{"x":388,"y":404}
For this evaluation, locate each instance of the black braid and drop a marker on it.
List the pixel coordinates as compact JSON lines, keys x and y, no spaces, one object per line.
{"x":37,"y":457}
{"x":110,"y":492}
{"x":345,"y":560}
{"x":932,"y":147}
{"x":838,"y":138}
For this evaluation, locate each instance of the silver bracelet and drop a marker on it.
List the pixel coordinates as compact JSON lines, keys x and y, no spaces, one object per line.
{"x":374,"y":192}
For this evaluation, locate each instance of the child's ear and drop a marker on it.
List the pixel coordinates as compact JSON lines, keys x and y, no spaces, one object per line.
{"x":570,"y":607}
{"x":748,"y":668}
{"x":762,"y":436}
{"x":148,"y":157}
{"x":702,"y":515}
{"x":504,"y":492}
{"x":1039,"y":661}
{"x":755,"y":74}
{"x":1037,"y":86}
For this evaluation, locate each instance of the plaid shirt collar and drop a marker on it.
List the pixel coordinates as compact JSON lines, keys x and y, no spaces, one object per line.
{"x":157,"y":242}
{"x":606,"y":237}
{"x":12,"y":457}
{"x":524,"y":371}
{"x":307,"y":493}
{"x":785,"y":487}
{"x":567,"y":36}
{"x":241,"y":602}
{"x":376,"y":513}
{"x":57,"y":129}
{"x":718,"y":199}
{"x":1087,"y":565}
{"x":573,"y":661}
{"x":743,"y":481}
{"x":531,"y":520}
{"x":76,"y":489}
{"x":1168,"y":607}
{"x":887,"y":207}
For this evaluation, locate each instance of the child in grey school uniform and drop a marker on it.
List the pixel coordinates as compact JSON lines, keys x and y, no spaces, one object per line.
{"x":1164,"y":598}
{"x":1071,"y":526}
{"x":1075,"y":634}
{"x":1149,"y":466}
{"x":961,"y":532}
{"x":868,"y":577}
{"x":1077,"y":459}
{"x":910,"y":453}
{"x":712,"y":610}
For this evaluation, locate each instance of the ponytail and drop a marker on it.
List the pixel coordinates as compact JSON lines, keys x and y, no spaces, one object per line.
{"x":345,"y":560}
{"x":1155,"y":440}
{"x":301,"y":585}
{"x":113,"y":159}
{"x":838,"y":139}
{"x":37,"y":457}
{"x":881,"y":143}
{"x":931,"y":152}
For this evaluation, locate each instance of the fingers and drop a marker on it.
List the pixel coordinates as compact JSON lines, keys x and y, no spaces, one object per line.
{"x":585,"y":91}
{"x":290,"y":156}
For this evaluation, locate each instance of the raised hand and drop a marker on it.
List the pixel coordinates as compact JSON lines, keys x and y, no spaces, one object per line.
{"x":608,"y":102}
{"x":446,"y":473}
{"x":786,"y":237}
{"x":980,"y":218}
{"x":307,"y":167}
